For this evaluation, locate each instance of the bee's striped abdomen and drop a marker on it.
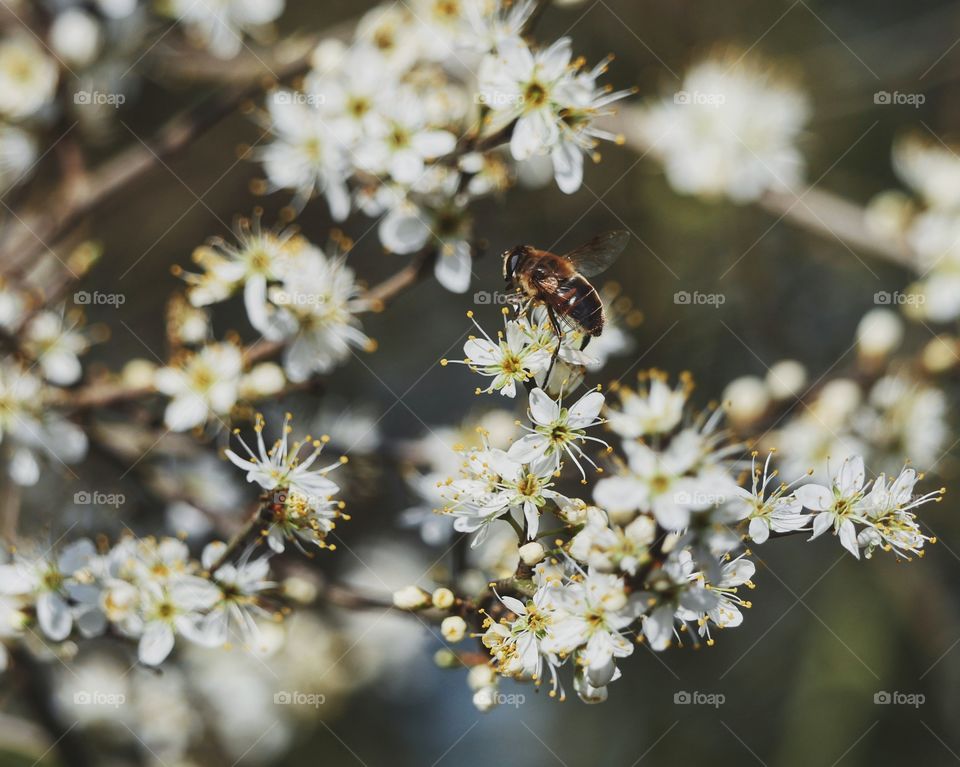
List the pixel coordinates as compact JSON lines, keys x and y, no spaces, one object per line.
{"x":578,"y":301}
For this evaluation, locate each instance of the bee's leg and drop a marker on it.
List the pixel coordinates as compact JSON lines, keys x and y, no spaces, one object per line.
{"x":556,"y":352}
{"x":585,"y":341}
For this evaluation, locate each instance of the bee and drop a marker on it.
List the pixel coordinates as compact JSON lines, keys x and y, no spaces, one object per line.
{"x":560,"y":283}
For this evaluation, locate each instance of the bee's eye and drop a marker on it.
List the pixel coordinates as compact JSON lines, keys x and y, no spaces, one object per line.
{"x":510,"y":265}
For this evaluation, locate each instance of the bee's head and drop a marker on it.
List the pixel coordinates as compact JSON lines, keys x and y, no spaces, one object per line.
{"x":511,"y":262}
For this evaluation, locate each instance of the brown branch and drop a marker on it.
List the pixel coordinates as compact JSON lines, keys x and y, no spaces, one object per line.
{"x":69,"y":205}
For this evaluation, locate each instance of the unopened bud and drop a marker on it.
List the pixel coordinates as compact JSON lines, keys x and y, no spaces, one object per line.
{"x":410,"y":598}
{"x":532,"y":553}
{"x":442,"y":598}
{"x":453,"y":628}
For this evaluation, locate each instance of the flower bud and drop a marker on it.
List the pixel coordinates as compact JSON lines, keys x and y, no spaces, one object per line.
{"x":138,"y":373}
{"x":485,"y":699}
{"x":531,"y":553}
{"x":940,"y":354}
{"x":410,"y":598}
{"x":453,"y":628}
{"x":786,"y":379}
{"x":879,"y":333}
{"x":481,"y":676}
{"x":442,"y":598}
{"x":837,"y":401}
{"x":746,"y":399}
{"x":75,"y":37}
{"x":299,"y":590}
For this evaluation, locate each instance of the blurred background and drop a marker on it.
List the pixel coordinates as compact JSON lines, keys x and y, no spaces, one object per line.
{"x":826,"y":634}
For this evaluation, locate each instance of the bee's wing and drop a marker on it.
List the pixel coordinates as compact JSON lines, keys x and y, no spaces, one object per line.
{"x":595,"y":256}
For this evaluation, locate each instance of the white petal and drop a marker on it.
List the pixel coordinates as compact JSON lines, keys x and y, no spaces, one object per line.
{"x":454,"y":267}
{"x":543,"y":408}
{"x":53,"y":614}
{"x":815,"y":497}
{"x":586,"y":410}
{"x":848,"y":538}
{"x":156,"y":643}
{"x":185,"y":412}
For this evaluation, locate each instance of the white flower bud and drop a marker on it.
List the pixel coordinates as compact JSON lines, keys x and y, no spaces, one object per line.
{"x":786,"y":379}
{"x":879,"y":332}
{"x":479,"y":677}
{"x":485,"y":699}
{"x":410,"y":598}
{"x":117,"y":9}
{"x":746,"y":399}
{"x":531,"y":553}
{"x":264,"y":380}
{"x":453,"y":628}
{"x":442,"y":598}
{"x":940,"y":354}
{"x":75,"y":37}
{"x":328,"y":56}
{"x":299,"y":590}
{"x":837,"y":401}
{"x":888,"y":214}
{"x":138,"y":373}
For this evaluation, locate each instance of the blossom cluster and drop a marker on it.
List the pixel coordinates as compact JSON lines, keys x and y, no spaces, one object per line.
{"x":408,"y":122}
{"x":147,"y":589}
{"x":30,"y":428}
{"x":927,"y":222}
{"x":657,"y":551}
{"x":153,"y":590}
{"x":731,"y":129}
